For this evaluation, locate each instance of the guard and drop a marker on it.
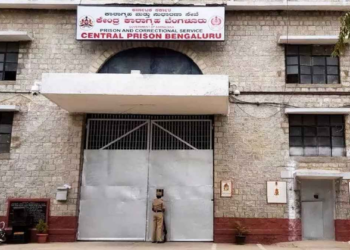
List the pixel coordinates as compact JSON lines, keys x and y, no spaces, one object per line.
{"x":158,"y":217}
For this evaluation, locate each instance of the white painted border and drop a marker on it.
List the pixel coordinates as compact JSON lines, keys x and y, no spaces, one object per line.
{"x":296,"y":6}
{"x":9,"y":108}
{"x":323,"y":111}
{"x":231,"y":5}
{"x":290,"y":39}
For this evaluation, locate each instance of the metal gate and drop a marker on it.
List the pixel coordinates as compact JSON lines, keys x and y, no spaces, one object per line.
{"x":127,"y":158}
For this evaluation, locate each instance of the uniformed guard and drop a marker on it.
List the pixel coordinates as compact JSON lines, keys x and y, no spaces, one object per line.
{"x":158,"y":217}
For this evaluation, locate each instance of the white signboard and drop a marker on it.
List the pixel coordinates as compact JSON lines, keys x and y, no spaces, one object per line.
{"x":151,"y":23}
{"x":276,"y":192}
{"x":226,"y":188}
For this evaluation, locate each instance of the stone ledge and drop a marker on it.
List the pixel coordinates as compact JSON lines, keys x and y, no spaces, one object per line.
{"x":299,"y":85}
{"x":320,"y":159}
{"x":8,"y":82}
{"x":5,"y":156}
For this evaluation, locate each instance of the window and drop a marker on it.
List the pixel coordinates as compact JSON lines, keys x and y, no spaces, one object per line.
{"x":151,"y":61}
{"x":8,"y":61}
{"x":316,"y":135}
{"x":6,"y":119}
{"x":311,"y":65}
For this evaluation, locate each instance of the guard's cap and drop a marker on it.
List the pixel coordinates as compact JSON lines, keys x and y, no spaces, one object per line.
{"x":160,"y":192}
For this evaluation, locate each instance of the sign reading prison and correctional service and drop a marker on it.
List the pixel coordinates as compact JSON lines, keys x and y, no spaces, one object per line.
{"x":151,"y":23}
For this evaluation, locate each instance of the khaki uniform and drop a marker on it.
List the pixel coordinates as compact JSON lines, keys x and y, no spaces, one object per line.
{"x":158,"y":217}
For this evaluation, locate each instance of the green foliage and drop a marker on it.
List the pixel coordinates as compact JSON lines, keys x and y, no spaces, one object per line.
{"x":240,"y":229}
{"x":344,"y":35}
{"x":42,"y":227}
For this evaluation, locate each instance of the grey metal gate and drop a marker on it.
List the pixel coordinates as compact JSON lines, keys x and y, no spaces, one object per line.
{"x":127,"y":158}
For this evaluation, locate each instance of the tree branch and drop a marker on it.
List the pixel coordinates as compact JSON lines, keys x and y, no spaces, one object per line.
{"x":344,"y":34}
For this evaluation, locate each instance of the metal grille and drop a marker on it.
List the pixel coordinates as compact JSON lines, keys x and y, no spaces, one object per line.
{"x":177,"y":135}
{"x":149,"y":117}
{"x":117,"y":134}
{"x":142,"y":132}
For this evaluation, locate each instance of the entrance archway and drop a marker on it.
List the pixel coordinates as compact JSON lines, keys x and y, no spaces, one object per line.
{"x":127,"y":157}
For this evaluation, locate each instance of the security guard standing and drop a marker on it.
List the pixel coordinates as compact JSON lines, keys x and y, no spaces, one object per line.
{"x":158,"y":217}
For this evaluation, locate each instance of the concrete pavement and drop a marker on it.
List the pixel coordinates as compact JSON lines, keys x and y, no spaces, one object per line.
{"x":304,"y":245}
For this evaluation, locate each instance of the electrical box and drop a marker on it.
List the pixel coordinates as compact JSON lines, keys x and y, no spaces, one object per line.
{"x":62,"y":194}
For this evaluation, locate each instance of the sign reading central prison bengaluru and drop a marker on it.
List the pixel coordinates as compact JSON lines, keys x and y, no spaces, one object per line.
{"x":151,"y":23}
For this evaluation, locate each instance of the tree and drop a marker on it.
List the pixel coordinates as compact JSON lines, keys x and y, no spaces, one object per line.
{"x":344,"y":35}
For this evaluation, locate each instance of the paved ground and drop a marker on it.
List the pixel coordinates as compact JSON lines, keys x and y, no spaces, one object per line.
{"x":304,"y":245}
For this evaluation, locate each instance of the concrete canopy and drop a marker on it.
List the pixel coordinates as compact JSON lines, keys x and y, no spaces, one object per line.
{"x":291,"y":39}
{"x":14,"y":36}
{"x":137,"y":93}
{"x":9,"y":108}
{"x":318,"y":174}
{"x":318,"y":111}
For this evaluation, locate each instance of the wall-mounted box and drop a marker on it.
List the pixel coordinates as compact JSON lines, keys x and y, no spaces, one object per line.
{"x":62,"y":194}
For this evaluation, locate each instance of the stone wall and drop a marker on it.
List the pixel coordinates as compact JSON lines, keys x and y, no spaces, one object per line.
{"x":252,"y":147}
{"x":45,"y":153}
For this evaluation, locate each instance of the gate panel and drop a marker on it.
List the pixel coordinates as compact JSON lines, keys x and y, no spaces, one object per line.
{"x":187,"y":179}
{"x":312,"y":214}
{"x":127,"y":158}
{"x":113,"y":195}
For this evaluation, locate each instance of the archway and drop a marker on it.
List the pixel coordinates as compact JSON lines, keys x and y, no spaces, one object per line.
{"x":129,"y":156}
{"x":150,"y":61}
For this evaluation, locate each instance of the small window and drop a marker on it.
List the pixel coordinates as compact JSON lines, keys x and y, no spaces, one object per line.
{"x":316,"y":135}
{"x":311,"y":65}
{"x":6,"y":120}
{"x":8,"y":61}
